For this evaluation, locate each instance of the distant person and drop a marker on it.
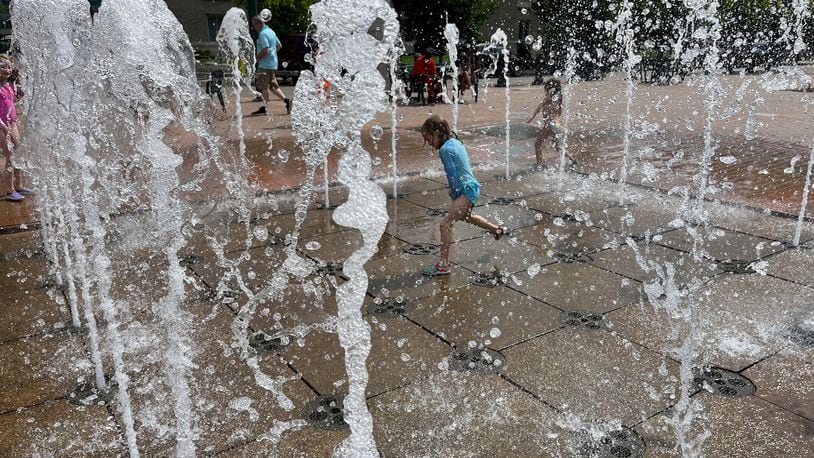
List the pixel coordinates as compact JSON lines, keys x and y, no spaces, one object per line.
{"x":9,"y":92}
{"x":424,"y":75}
{"x":551,"y":128}
{"x":267,"y":46}
{"x":464,"y":189}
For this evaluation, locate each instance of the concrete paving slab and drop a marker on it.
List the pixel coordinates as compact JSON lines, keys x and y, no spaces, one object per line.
{"x":25,"y":244}
{"x":722,"y":245}
{"x":401,"y":276}
{"x":486,"y":255}
{"x":623,"y":261}
{"x":784,"y":379}
{"x":795,"y":265}
{"x":427,"y":230}
{"x":558,"y":236}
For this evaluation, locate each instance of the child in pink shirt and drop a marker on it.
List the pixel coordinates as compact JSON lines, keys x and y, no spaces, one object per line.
{"x":9,"y":134}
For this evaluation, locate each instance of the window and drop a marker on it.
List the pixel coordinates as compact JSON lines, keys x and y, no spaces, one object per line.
{"x":213,"y":26}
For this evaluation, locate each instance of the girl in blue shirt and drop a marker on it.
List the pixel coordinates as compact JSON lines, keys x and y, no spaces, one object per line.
{"x":464,"y":189}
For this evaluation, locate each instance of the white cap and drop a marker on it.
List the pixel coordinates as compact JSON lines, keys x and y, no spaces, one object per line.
{"x":265,"y":15}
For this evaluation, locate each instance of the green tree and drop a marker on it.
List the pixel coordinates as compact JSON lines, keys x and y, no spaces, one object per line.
{"x":424,"y":21}
{"x":288,"y":17}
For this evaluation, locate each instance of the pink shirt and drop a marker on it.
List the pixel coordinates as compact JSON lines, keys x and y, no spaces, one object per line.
{"x":8,"y":111}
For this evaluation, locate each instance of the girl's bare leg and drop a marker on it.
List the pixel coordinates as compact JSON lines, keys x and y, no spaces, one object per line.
{"x":6,"y":144}
{"x":458,"y":211}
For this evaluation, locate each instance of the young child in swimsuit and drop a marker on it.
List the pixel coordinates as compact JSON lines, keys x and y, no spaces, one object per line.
{"x":9,"y":134}
{"x":551,"y":108}
{"x":464,"y":189}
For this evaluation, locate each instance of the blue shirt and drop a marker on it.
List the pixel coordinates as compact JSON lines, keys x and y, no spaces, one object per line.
{"x":460,"y":178}
{"x":266,"y":38}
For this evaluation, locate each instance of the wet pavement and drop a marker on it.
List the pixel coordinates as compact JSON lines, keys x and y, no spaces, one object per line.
{"x":564,"y":339}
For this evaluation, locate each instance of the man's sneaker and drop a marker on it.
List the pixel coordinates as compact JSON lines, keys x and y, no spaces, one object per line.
{"x":435,"y":270}
{"x":259,"y":111}
{"x":500,"y":232}
{"x":287,"y":106}
{"x":14,"y":196}
{"x":26,"y":191}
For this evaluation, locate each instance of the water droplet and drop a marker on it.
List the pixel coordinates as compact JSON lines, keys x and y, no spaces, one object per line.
{"x":405,"y":357}
{"x":523,"y":11}
{"x":261,"y":233}
{"x":529,"y":39}
{"x":538,"y":45}
{"x":494,"y":333}
{"x":376,"y":133}
{"x":285,"y":64}
{"x":283,"y":155}
{"x":312,"y":245}
{"x":533,"y":270}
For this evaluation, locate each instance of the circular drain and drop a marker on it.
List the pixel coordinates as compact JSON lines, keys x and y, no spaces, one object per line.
{"x":390,"y":306}
{"x":480,"y":360}
{"x":420,"y":248}
{"x":85,"y":393}
{"x":736,"y":267}
{"x":604,"y":440}
{"x":262,"y":342}
{"x":584,"y":319}
{"x":502,"y":200}
{"x":721,"y":381}
{"x":487,"y":279}
{"x":801,"y":336}
{"x":330,"y":269}
{"x":186,"y":261}
{"x":570,"y":258}
{"x":326,"y":412}
{"x":436,"y":212}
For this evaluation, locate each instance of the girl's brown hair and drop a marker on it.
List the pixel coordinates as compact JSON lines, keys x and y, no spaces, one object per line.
{"x":553,"y":87}
{"x":435,"y":125}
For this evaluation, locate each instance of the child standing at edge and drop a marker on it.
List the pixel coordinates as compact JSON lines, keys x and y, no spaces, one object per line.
{"x":551,"y":107}
{"x":9,"y":134}
{"x":464,"y":188}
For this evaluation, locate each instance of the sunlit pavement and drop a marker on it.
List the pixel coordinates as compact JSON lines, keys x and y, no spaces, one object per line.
{"x":583,"y":346}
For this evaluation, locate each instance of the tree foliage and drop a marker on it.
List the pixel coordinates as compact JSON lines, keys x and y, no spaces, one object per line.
{"x":288,"y":17}
{"x":424,"y":21}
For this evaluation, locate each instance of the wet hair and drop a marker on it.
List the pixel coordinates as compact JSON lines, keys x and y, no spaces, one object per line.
{"x":553,"y":87}
{"x":6,"y":61}
{"x":436,"y":125}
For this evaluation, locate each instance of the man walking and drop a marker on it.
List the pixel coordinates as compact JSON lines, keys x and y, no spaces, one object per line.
{"x":267,"y":46}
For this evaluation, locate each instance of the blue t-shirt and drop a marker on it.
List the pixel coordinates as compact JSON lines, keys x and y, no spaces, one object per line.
{"x":459,"y":173}
{"x":267,"y":39}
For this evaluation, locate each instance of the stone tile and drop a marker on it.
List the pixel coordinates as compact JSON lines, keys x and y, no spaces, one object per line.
{"x":493,"y":317}
{"x":58,"y":428}
{"x":400,"y":353}
{"x":570,"y":286}
{"x":796,"y":265}
{"x":29,"y":304}
{"x":740,"y":320}
{"x":568,"y":204}
{"x":623,"y":261}
{"x":593,"y":374}
{"x":556,"y":235}
{"x":296,"y":440}
{"x":737,"y":427}
{"x":401,"y":276}
{"x":296,"y":310}
{"x":412,"y":185}
{"x":648,"y":217}
{"x":338,"y":246}
{"x":758,"y":223}
{"x":514,"y":216}
{"x":427,"y":230}
{"x":522,"y":185}
{"x":255,"y":271}
{"x":401,"y":209}
{"x":25,"y":244}
{"x":438,"y":198}
{"x":39,"y":369}
{"x":723,"y":245}
{"x":785,"y":379}
{"x":451,"y":414}
{"x":485,"y":254}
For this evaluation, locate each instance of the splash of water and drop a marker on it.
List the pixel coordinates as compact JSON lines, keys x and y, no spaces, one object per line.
{"x":499,"y":39}
{"x":452,"y":35}
{"x":624,"y":36}
{"x":567,"y":95}
{"x":395,"y":56}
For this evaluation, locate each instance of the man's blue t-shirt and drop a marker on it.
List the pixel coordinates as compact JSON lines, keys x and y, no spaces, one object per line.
{"x":266,"y":38}
{"x":459,"y":173}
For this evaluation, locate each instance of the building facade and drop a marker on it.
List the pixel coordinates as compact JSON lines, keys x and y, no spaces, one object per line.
{"x":201,"y":20}
{"x":517,"y":19}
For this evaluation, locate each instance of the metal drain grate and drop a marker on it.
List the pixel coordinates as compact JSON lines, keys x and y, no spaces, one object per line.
{"x":605,"y":440}
{"x":480,"y":360}
{"x":800,"y":335}
{"x":570,"y":258}
{"x":326,"y":412}
{"x":390,"y":306}
{"x":262,"y":342}
{"x":85,"y":393}
{"x":330,"y":269}
{"x":487,"y":279}
{"x":721,"y":381}
{"x":584,"y":319}
{"x":736,"y":267}
{"x":398,"y":195}
{"x":502,"y":200}
{"x":189,"y":260}
{"x":420,"y":248}
{"x":436,"y":212}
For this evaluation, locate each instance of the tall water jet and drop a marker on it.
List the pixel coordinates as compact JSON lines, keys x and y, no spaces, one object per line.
{"x":394,"y":59}
{"x":452,"y":35}
{"x":354,"y":38}
{"x":567,"y":95}
{"x":624,"y":37}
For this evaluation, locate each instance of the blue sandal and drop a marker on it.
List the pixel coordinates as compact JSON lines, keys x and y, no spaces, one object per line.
{"x":435,"y":270}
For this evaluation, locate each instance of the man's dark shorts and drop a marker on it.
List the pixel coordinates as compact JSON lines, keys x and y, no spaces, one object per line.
{"x":266,"y":79}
